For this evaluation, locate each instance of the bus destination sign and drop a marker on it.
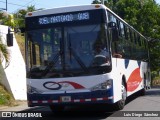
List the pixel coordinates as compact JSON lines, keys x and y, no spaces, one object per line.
{"x":64,"y":18}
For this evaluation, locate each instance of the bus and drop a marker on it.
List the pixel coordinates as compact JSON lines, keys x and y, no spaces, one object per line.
{"x":81,"y":55}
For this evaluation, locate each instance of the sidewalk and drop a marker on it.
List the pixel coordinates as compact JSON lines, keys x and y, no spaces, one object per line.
{"x":20,"y":107}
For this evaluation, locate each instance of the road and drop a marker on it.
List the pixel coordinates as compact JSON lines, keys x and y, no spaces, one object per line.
{"x":135,"y":103}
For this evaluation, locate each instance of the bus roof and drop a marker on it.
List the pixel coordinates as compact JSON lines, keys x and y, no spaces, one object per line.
{"x":65,"y":10}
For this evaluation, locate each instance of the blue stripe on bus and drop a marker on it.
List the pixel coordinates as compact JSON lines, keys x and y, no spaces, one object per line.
{"x":126,"y":62}
{"x":139,"y":63}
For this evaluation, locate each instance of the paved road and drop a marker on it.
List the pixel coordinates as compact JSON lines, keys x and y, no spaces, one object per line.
{"x":149,"y":102}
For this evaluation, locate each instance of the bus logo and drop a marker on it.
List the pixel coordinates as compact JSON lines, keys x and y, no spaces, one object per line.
{"x":58,"y":85}
{"x":52,"y":85}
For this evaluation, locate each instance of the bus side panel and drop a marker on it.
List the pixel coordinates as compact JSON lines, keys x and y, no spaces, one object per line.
{"x":117,"y":72}
{"x":135,"y":79}
{"x":134,"y":73}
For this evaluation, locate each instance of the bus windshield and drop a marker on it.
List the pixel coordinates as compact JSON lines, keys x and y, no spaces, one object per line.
{"x":68,"y":51}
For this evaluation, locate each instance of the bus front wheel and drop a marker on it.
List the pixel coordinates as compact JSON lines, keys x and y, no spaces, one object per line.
{"x":121,"y":103}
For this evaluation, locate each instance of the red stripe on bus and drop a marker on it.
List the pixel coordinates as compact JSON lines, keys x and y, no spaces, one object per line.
{"x":75,"y":85}
{"x":134,"y":80}
{"x":73,"y":100}
{"x":105,"y":98}
{"x":82,"y":100}
{"x":93,"y":99}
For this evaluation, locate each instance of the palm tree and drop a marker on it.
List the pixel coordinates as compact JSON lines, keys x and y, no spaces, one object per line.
{"x":31,"y":8}
{"x":4,"y":53}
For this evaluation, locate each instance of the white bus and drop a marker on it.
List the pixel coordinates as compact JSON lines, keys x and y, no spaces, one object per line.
{"x":83,"y":55}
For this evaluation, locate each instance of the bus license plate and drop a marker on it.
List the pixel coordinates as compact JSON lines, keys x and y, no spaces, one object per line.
{"x":66,"y":98}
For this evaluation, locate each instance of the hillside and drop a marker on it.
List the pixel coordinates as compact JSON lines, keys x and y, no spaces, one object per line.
{"x":6,"y":98}
{"x":21,"y":42}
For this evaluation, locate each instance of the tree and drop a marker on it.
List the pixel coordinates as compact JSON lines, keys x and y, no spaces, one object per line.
{"x":155,"y":54}
{"x":3,"y":16}
{"x":128,"y":10}
{"x":96,"y":2}
{"x":31,"y":8}
{"x":9,"y":21}
{"x":4,"y":53}
{"x":149,"y":25}
{"x":20,"y":16}
{"x":109,"y":3}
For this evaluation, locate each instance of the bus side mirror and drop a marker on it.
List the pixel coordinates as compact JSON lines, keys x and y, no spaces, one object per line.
{"x":9,"y":37}
{"x":114,"y":31}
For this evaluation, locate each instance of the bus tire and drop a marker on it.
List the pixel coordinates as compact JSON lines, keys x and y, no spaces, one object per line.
{"x":121,"y":103}
{"x":142,"y":92}
{"x":56,"y":108}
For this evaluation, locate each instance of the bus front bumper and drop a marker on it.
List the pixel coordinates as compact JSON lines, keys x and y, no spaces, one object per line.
{"x":100,"y":96}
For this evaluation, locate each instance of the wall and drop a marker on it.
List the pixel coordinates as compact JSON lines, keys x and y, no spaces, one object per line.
{"x":14,"y":76}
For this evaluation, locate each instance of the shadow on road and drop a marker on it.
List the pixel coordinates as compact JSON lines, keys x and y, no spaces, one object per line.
{"x":155,"y":91}
{"x":88,"y":112}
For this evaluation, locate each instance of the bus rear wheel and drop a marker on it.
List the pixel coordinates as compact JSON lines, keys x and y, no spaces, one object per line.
{"x":121,"y":103}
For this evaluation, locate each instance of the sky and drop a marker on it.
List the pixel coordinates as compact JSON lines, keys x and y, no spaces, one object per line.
{"x":14,"y":5}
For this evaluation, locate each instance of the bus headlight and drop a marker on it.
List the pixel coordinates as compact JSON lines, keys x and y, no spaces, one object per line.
{"x":102,"y":86}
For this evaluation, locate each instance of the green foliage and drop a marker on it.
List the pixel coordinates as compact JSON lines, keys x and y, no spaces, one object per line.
{"x":148,"y":19}
{"x":21,"y":42}
{"x":17,"y":20}
{"x":156,"y":80}
{"x":20,"y":16}
{"x":4,"y":53}
{"x":128,"y":10}
{"x":5,"y":97}
{"x":155,"y":55}
{"x":96,"y":2}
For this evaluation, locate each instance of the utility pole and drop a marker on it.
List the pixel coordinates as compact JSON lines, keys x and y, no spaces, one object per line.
{"x":6,"y":5}
{"x":4,"y":8}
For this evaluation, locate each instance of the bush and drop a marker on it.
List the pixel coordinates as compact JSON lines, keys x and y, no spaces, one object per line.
{"x":156,"y":81}
{"x":5,"y":97}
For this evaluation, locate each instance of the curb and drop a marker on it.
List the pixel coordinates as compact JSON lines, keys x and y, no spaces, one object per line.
{"x":3,"y":107}
{"x":157,"y":86}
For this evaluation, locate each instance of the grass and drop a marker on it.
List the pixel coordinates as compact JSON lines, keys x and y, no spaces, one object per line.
{"x":6,"y":99}
{"x":21,"y":42}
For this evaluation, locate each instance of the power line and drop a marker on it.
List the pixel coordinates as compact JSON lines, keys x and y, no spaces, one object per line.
{"x":24,"y":5}
{"x":13,"y":4}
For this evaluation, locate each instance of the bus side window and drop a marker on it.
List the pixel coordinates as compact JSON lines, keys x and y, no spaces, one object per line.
{"x":122,"y":29}
{"x":131,"y":35}
{"x":127,"y":44}
{"x":135,"y":38}
{"x":111,"y":18}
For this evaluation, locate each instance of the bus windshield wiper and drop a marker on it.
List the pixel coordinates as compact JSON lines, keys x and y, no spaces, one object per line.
{"x":53,"y":61}
{"x":51,"y":64}
{"x":79,"y":61}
